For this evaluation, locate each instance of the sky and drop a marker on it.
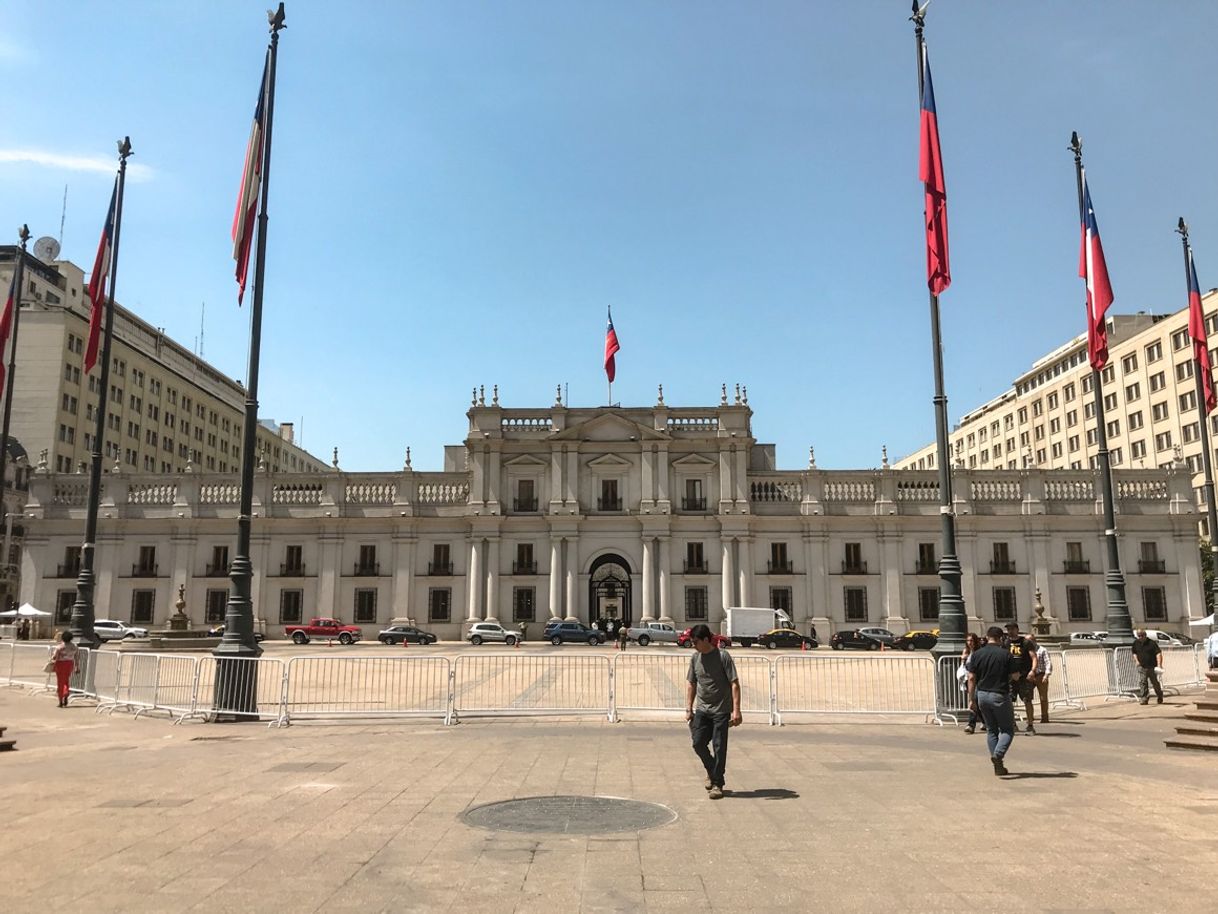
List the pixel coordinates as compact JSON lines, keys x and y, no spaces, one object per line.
{"x":459,"y":190}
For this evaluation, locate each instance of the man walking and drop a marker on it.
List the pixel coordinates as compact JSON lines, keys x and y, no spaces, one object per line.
{"x":1149,"y":656}
{"x":991,"y":670}
{"x":712,"y":705}
{"x":1042,"y":669}
{"x":1025,"y":662}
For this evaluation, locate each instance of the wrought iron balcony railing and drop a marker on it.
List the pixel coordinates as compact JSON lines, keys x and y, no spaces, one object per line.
{"x":693,"y":504}
{"x":1152,"y":566}
{"x":997,"y":567}
{"x":292,"y":571}
{"x":608,"y":504}
{"x":1076,"y":566}
{"x":695,"y":567}
{"x":216,"y":571}
{"x":143,"y":571}
{"x":523,"y":505}
{"x":524,"y":568}
{"x":367,"y":569}
{"x":787,"y":567}
{"x":70,"y":570}
{"x":440,"y":569}
{"x":926,"y":567}
{"x":859,"y":567}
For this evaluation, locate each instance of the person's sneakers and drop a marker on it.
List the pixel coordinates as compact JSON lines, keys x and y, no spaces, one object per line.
{"x":1044,"y":720}
{"x":1143,"y":701}
{"x":1029,"y":729}
{"x":970,"y":729}
{"x":999,"y":768}
{"x":709,"y":784}
{"x":1158,"y":701}
{"x":716,"y":793}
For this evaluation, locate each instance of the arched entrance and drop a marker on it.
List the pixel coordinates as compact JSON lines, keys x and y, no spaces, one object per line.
{"x":609,"y":592}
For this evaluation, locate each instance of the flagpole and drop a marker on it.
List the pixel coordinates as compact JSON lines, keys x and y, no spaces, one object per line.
{"x":952,"y":621}
{"x":83,"y":613}
{"x":1120,"y":625}
{"x":1203,"y":412}
{"x":23,"y":234}
{"x":236,"y":687}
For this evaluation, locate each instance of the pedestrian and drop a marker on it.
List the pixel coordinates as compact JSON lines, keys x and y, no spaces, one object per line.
{"x":23,"y":630}
{"x":972,"y":644}
{"x":63,"y":658}
{"x":623,"y":637}
{"x":1150,"y":659}
{"x":712,"y":705}
{"x":992,"y":670}
{"x":1041,"y":671}
{"x":1025,"y":662}
{"x":1211,"y":650}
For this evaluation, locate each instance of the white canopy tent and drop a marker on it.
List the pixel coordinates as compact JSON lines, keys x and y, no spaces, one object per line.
{"x":1208,"y":620}
{"x":25,"y":611}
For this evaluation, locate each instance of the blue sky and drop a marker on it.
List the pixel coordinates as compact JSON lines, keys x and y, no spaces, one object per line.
{"x":459,"y":189}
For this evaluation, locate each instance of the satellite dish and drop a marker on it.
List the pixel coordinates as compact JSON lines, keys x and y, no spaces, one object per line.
{"x":46,"y":249}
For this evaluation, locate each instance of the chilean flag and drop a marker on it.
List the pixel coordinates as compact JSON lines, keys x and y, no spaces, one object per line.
{"x":6,"y":326}
{"x":611,"y":348}
{"x":1094,"y":270}
{"x":1196,"y":329}
{"x":97,"y":283}
{"x":251,"y":183}
{"x":930,"y":171}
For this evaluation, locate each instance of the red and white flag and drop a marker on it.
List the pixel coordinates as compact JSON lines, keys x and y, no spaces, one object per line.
{"x":251,"y":184}
{"x":6,"y":327}
{"x":1094,"y":271}
{"x":1201,"y":347}
{"x":930,"y":172}
{"x":611,"y":349}
{"x":97,"y":283}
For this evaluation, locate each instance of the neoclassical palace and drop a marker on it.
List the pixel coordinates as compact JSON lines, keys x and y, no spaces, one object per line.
{"x":635,"y":513}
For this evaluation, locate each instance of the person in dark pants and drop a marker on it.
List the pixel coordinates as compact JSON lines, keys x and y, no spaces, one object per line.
{"x":1149,"y":656}
{"x":991,"y":671}
{"x":1022,"y":688}
{"x":712,"y":705}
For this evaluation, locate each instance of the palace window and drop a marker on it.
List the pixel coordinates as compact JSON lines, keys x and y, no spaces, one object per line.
{"x":439,"y":604}
{"x":928,"y":604}
{"x":290,"y":603}
{"x":142,"y":603}
{"x":365,"y":604}
{"x":1004,"y":604}
{"x":217,"y":605}
{"x":1078,"y":604}
{"x":855,"y":599}
{"x":524,"y":604}
{"x":695,"y":604}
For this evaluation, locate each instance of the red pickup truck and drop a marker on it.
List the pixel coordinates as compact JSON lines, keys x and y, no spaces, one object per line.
{"x":323,"y":628}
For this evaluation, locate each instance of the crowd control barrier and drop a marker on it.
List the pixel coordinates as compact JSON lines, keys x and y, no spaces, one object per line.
{"x":516,"y":684}
{"x":845,"y":684}
{"x":239,"y":688}
{"x":336,"y":687}
{"x":655,"y":684}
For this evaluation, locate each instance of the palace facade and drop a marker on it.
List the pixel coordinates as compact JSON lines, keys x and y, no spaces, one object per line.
{"x":659,"y":512}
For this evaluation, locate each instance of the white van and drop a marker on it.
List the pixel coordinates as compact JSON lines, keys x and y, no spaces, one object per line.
{"x":1163,"y":638}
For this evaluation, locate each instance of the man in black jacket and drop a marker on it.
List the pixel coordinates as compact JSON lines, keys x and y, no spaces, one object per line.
{"x":1149,"y":656}
{"x":991,"y":671}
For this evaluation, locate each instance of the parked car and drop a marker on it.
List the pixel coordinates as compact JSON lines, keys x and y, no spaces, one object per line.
{"x":217,"y":631}
{"x":396,"y":634}
{"x":853,"y":639}
{"x":1165,"y":639}
{"x":882,"y":635}
{"x":786,"y":637}
{"x":113,"y":630}
{"x":1086,"y":637}
{"x":324,"y":627}
{"x":560,"y":632}
{"x":652,"y":631}
{"x":684,"y":639}
{"x":493,"y":632}
{"x":917,"y":640}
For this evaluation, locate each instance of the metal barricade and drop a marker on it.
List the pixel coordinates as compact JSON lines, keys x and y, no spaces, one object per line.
{"x":104,"y":678}
{"x":867,"y":684}
{"x":240,"y":688}
{"x":6,"y":662}
{"x":655,"y":684}
{"x":28,"y":668}
{"x":951,"y":692}
{"x":137,"y":681}
{"x":531,"y":684}
{"x":1087,"y":674}
{"x":1180,"y":669}
{"x":156,"y":682}
{"x":1059,"y":683}
{"x":1122,"y":673}
{"x":328,"y":687}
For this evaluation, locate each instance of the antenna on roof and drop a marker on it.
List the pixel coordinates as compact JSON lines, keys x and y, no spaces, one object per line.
{"x":63,"y":214}
{"x":202,"y":313}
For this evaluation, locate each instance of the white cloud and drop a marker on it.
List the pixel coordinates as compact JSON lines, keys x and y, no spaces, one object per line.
{"x":65,"y":162}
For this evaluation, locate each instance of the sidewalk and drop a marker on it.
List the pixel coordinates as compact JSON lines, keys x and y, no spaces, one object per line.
{"x":363,"y":817}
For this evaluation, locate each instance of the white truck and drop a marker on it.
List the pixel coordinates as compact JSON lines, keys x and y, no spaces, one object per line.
{"x":744,"y":624}
{"x":652,"y":631}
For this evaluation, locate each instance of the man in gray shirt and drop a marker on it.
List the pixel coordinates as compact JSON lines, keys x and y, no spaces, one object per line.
{"x":712,"y":705}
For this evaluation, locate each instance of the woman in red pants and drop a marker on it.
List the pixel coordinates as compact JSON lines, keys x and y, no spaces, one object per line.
{"x":64,"y":658}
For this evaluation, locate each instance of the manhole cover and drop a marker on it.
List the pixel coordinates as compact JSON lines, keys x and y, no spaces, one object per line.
{"x":567,"y":815}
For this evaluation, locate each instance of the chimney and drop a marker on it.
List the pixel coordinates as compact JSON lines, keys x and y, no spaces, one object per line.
{"x":286,"y":432}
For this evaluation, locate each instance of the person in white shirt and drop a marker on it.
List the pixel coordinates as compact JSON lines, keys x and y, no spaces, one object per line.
{"x":1042,"y":669}
{"x":1211,"y":650}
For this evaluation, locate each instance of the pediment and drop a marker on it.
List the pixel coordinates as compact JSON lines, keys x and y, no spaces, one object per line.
{"x":695,"y":462}
{"x":525,"y":462}
{"x":609,"y":462}
{"x":610,"y":427}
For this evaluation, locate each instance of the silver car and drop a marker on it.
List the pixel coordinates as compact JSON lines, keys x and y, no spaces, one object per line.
{"x":113,"y":630}
{"x":492,"y":632}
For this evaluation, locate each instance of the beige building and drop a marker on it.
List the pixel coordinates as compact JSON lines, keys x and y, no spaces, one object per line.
{"x":167,"y":407}
{"x":1047,"y":418}
{"x":636,"y":513}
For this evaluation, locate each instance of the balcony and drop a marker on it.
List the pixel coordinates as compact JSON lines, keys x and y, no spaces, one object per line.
{"x":926,"y":566}
{"x":440,"y":569}
{"x":216,"y":571}
{"x":524,"y":568}
{"x":858,"y":567}
{"x":292,"y":571}
{"x":693,"y":504}
{"x":608,"y":504}
{"x":70,"y":570}
{"x":143,"y":571}
{"x":367,"y":569}
{"x":524,"y":505}
{"x":695,"y":567}
{"x":783,"y":567}
{"x":1152,"y":566}
{"x":1076,"y":566}
{"x":1006,"y":566}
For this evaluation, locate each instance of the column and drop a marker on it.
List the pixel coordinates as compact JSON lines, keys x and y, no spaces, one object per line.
{"x":661,"y":473}
{"x":727,"y":574}
{"x":725,"y":482}
{"x":746,"y":569}
{"x":492,"y":581}
{"x":647,"y":462}
{"x":556,"y":481}
{"x":648,"y":580}
{"x":473,"y":577}
{"x":571,"y":482}
{"x":572,"y":603}
{"x":665,"y":561}
{"x":555,"y":579}
{"x":402,"y":581}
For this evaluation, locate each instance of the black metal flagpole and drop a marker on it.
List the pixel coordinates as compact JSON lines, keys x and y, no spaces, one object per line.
{"x":236,"y":682}
{"x":1203,"y":412}
{"x":952,"y":621}
{"x":18,"y":269}
{"x":1120,"y":626}
{"x":83,"y":613}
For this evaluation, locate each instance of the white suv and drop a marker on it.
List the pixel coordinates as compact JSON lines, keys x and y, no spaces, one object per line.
{"x":113,"y":630}
{"x":492,"y":631}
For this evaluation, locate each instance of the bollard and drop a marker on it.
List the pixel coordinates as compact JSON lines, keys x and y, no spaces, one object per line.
{"x":405,"y":641}
{"x":803,"y":645}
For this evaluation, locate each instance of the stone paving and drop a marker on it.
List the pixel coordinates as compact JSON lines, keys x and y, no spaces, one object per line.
{"x":106,"y":813}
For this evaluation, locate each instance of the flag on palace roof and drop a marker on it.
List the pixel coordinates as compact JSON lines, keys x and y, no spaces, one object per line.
{"x":6,"y":326}
{"x":251,"y":183}
{"x":97,"y":282}
{"x":1094,"y":270}
{"x":1196,"y":329}
{"x":611,"y":348}
{"x":930,"y":170}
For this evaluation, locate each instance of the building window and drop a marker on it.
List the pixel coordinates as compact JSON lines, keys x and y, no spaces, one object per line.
{"x":609,"y":500}
{"x":928,"y":604}
{"x":1072,"y":418}
{"x":1158,"y":412}
{"x":695,"y":559}
{"x":1113,"y":428}
{"x":1163,"y":441}
{"x":1154,"y":604}
{"x":1190,"y":432}
{"x":526,"y":496}
{"x":853,"y":562}
{"x":695,"y":604}
{"x":146,"y":566}
{"x":367,"y":564}
{"x":694,"y":499}
{"x":779,"y":563}
{"x":524,"y":604}
{"x":142,"y":603}
{"x":1157,"y":381}
{"x":855,"y":599}
{"x":290,"y":603}
{"x":365,"y":604}
{"x":1188,"y":401}
{"x":441,"y":560}
{"x":64,"y":601}
{"x":927,"y":563}
{"x":524,"y":563}
{"x":780,"y":598}
{"x":1179,"y":340}
{"x":1132,"y":392}
{"x":1135,"y":420}
{"x":1109,"y":374}
{"x":1078,"y":604}
{"x":217,"y":605}
{"x":1068,"y":392}
{"x":1004,"y":604}
{"x":1129,"y":363}
{"x":439,"y":604}
{"x":1154,"y":352}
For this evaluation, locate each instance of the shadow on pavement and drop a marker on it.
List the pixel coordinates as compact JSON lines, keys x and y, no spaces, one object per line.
{"x":1042,"y":733}
{"x":1020,"y":775}
{"x":765,"y":793}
